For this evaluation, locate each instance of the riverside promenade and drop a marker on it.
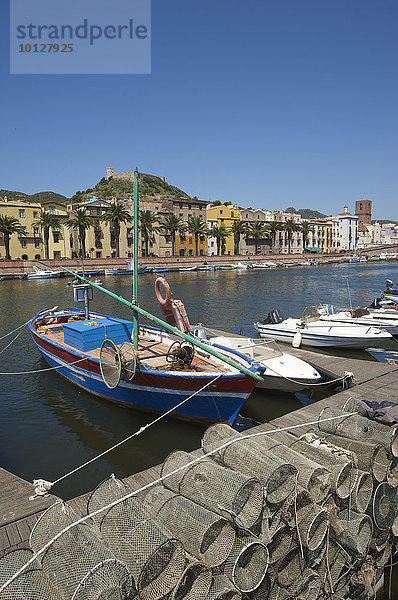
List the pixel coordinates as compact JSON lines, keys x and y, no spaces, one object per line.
{"x":17,"y":268}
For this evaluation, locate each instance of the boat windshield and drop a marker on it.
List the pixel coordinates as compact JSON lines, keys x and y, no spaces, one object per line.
{"x":266,"y":349}
{"x":310,"y":313}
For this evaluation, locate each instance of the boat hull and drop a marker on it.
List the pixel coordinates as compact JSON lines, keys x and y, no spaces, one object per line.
{"x":153,"y":391}
{"x":318,"y":339}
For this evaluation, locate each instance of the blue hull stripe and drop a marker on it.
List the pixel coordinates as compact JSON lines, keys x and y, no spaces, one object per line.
{"x":205,"y":407}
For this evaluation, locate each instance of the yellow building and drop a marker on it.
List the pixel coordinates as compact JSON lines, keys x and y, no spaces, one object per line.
{"x":224,"y":215}
{"x":29,"y":245}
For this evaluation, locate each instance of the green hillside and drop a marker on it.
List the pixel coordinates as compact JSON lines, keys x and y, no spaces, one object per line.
{"x":306,"y":213}
{"x":38,"y":197}
{"x":149,"y":187}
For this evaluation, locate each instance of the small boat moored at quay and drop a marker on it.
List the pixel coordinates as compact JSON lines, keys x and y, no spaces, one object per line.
{"x":43,"y":273}
{"x":283,"y":372}
{"x":358,"y":316}
{"x":194,"y":268}
{"x":309,"y":330}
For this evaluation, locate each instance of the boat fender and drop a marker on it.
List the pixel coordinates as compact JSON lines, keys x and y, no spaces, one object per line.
{"x":161,"y":281}
{"x":297,"y":339}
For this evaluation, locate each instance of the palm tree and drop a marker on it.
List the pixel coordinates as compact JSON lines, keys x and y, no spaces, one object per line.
{"x":46,"y":221}
{"x":221,"y":233}
{"x":148,"y":225}
{"x":238,"y":228}
{"x":306,"y":228}
{"x":273,"y":227}
{"x":257,"y":231}
{"x":8,"y":226}
{"x":290,"y":227}
{"x":197,"y":227}
{"x":173,"y":225}
{"x":81,"y":222}
{"x":115,"y":215}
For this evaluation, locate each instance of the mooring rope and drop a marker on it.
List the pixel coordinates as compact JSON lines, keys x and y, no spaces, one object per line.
{"x":41,"y":484}
{"x":14,"y":330}
{"x":347,"y":375}
{"x":12,"y":341}
{"x":42,"y":370}
{"x":156,"y":482}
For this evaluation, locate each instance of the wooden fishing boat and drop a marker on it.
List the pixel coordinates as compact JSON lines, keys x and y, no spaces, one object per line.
{"x":97,"y":354}
{"x":147,"y":368}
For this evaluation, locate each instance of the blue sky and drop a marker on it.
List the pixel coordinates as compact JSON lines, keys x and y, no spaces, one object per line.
{"x":267,"y":103}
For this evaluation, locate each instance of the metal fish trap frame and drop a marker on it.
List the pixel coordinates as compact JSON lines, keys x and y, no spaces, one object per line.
{"x":343,"y":471}
{"x":277,"y":476}
{"x":204,"y":534}
{"x":312,"y":476}
{"x":151,"y":552}
{"x":230,"y":494}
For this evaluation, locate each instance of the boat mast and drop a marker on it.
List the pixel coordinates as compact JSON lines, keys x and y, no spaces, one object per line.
{"x":135,"y":262}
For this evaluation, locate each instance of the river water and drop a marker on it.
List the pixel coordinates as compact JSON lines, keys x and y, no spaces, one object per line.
{"x":48,"y":427}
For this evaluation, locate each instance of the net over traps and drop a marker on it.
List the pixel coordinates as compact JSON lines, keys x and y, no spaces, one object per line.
{"x":204,"y":534}
{"x":77,"y":562}
{"x":276,"y":475}
{"x":151,"y":552}
{"x":228,"y":493}
{"x":31,"y":584}
{"x":342,"y":469}
{"x":360,"y":428}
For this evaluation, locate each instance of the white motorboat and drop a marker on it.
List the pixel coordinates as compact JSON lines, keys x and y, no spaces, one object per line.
{"x":43,"y":273}
{"x":242,"y":266}
{"x":359,"y":316}
{"x":194,"y":268}
{"x":264,"y":265}
{"x":284,"y":372}
{"x":309,"y":330}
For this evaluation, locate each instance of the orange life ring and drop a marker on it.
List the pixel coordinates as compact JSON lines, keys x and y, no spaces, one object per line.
{"x":161,"y":281}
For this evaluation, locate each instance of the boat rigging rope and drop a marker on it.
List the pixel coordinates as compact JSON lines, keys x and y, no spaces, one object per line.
{"x":42,"y":486}
{"x":156,"y":482}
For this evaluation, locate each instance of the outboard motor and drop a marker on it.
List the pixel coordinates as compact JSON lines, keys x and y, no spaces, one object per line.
{"x":376,"y":303}
{"x":389,"y":285}
{"x":274,"y":317}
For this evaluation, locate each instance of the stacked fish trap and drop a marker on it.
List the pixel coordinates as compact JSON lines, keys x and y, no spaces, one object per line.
{"x":264,"y":516}
{"x":78,"y":564}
